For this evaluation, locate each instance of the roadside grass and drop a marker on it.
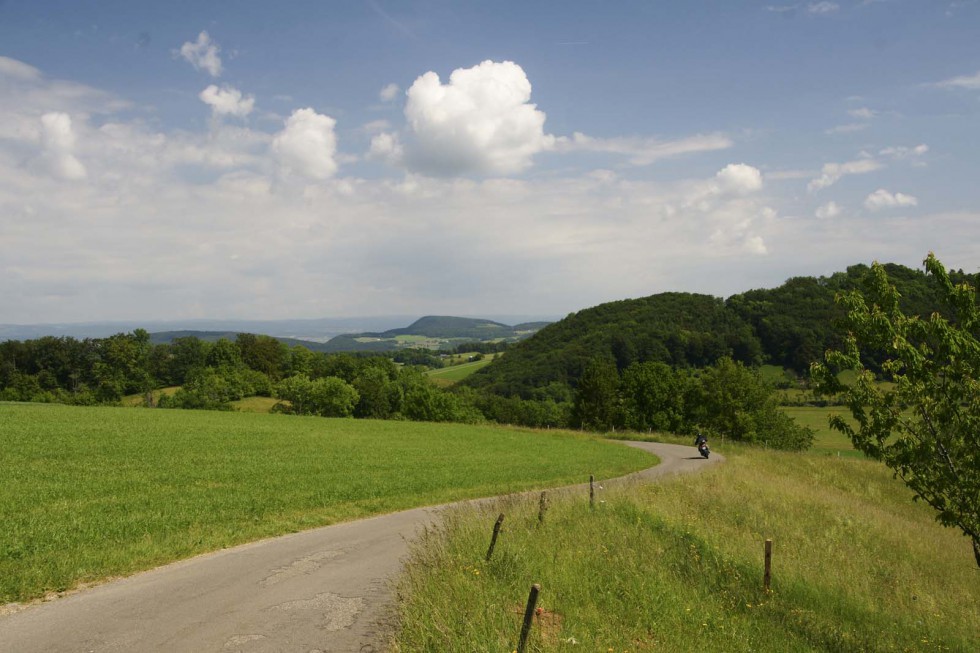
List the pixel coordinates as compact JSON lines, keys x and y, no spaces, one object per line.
{"x":91,"y":493}
{"x":677,"y":565}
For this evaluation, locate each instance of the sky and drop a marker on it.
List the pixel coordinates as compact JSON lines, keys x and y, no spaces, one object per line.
{"x":271,"y":160}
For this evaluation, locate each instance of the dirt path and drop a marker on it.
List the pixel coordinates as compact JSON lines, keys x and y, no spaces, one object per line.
{"x":323,"y":590}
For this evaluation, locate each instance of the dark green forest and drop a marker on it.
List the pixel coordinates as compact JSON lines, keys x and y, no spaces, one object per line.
{"x":676,"y":362}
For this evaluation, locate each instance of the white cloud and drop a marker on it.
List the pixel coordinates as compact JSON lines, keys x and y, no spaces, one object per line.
{"x":307,"y":145}
{"x":389,"y":92}
{"x":18,"y":69}
{"x":387,"y":147}
{"x":882,"y":199}
{"x":481,"y":121}
{"x":827,"y":211}
{"x":822,"y":8}
{"x":864,"y":113}
{"x":963,"y":81}
{"x":643,"y":151}
{"x":202,"y":54}
{"x":831,"y":173}
{"x":905,"y":152}
{"x":848,"y":128}
{"x":740,"y":178}
{"x":227,"y":101}
{"x":58,"y":143}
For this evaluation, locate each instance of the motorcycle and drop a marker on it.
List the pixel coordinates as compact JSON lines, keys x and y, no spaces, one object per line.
{"x":703,"y":449}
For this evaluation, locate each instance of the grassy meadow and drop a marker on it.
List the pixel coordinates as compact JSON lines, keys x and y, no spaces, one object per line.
{"x":455,"y":373}
{"x":90,"y":493}
{"x":677,"y":566}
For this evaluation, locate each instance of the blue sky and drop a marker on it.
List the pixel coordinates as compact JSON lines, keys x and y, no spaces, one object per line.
{"x":312,"y":159}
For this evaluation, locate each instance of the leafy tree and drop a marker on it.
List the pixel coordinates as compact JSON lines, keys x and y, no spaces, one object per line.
{"x":327,"y":397}
{"x":380,"y":395}
{"x":925,"y":424}
{"x":735,"y":400}
{"x":596,"y":398}
{"x":653,"y":397}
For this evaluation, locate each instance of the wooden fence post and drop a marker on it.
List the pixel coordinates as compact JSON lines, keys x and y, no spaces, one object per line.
{"x":532,"y":600}
{"x":542,"y":506}
{"x":767,"y":576}
{"x":591,"y":491}
{"x":496,"y":532}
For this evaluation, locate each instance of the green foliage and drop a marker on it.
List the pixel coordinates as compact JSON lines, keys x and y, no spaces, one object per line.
{"x":680,"y":329}
{"x":925,"y":425}
{"x":653,"y":396}
{"x":597,"y":398}
{"x":212,"y":388}
{"x":327,"y":397}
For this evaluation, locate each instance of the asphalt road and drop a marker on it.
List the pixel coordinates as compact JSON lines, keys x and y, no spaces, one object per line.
{"x":324,"y":590}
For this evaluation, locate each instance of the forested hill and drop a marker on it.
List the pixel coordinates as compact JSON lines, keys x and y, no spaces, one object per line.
{"x":791,"y":326}
{"x":440,"y":326}
{"x":679,"y":328}
{"x":443,"y":331}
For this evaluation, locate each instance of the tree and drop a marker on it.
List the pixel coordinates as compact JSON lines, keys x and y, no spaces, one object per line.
{"x":735,"y":400}
{"x":596,"y":399}
{"x":924,"y":424}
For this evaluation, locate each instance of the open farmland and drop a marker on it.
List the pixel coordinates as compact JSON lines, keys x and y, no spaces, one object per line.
{"x":90,"y":493}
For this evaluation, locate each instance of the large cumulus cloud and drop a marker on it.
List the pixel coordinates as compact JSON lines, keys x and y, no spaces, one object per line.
{"x":481,"y":121}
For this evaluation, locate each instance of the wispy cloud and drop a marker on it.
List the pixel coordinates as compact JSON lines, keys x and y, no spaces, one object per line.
{"x":643,"y":151}
{"x":963,"y":81}
{"x":831,"y":173}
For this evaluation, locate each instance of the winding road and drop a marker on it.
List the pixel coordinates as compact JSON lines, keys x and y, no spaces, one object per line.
{"x":325,"y":590}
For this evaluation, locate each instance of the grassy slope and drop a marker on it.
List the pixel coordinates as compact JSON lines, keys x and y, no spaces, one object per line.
{"x":95,"y":492}
{"x":458,"y":372}
{"x":677,"y":566}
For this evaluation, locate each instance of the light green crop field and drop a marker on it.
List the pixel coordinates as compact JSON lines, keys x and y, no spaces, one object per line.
{"x":255,"y":404}
{"x":458,"y":372}
{"x":677,"y":565}
{"x":90,"y":493}
{"x":827,"y":441}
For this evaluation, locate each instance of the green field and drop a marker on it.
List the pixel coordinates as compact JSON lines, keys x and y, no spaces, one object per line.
{"x":677,"y":566}
{"x":89,"y":493}
{"x":826,"y":441}
{"x":459,"y":372}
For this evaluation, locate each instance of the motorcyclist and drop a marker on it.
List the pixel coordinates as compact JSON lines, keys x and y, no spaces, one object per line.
{"x":700,"y":439}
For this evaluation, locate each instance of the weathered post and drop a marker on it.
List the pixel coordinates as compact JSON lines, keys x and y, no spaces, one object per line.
{"x":532,"y":601}
{"x":542,"y":506}
{"x":767,"y":576}
{"x":496,"y":532}
{"x":591,"y":491}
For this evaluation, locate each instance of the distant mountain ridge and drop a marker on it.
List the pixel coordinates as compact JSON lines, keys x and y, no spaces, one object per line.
{"x":318,"y":330}
{"x":441,"y":328}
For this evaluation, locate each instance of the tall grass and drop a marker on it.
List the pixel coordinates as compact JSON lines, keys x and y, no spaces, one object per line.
{"x":88,"y":493}
{"x":677,"y":566}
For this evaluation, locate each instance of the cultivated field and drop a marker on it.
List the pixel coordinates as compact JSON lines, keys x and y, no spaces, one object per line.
{"x":89,"y":493}
{"x":454,"y":373}
{"x":678,"y":566}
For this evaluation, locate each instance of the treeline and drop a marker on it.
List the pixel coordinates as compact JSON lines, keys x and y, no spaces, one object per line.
{"x":725,"y":399}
